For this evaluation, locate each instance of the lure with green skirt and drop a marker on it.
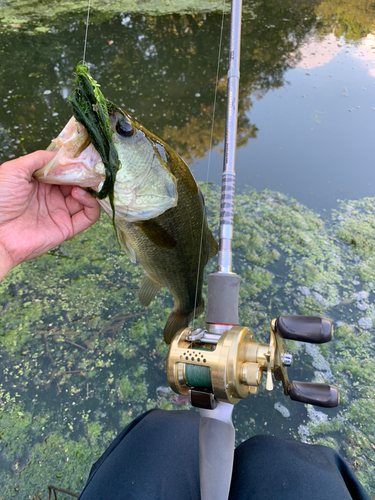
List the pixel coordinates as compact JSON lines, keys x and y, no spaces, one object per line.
{"x":148,"y":191}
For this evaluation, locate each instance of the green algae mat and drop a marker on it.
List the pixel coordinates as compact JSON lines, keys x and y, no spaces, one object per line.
{"x":82,"y":358}
{"x":16,"y":13}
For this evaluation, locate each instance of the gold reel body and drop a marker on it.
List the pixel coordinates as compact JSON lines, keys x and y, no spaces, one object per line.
{"x":236,"y":364}
{"x":231,"y":368}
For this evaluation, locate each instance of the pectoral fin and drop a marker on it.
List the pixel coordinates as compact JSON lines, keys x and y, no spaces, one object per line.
{"x":157,"y":234}
{"x":129,"y":250}
{"x":147,"y":291}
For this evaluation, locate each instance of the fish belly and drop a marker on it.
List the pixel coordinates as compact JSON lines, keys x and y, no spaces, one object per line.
{"x":178,"y":268}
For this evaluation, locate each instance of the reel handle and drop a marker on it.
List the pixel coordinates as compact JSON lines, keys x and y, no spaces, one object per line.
{"x":310,"y":329}
{"x":315,"y":394}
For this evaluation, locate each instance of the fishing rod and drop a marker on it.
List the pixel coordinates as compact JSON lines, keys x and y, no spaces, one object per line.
{"x":222,"y":364}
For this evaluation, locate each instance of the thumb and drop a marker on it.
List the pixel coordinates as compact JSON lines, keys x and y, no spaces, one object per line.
{"x":28,"y":164}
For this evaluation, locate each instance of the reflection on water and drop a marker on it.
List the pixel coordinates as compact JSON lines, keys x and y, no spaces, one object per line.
{"x":314,"y":134}
{"x":162,"y":69}
{"x":80,"y":356}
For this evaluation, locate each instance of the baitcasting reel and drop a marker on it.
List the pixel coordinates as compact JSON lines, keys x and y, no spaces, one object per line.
{"x":227,"y":368}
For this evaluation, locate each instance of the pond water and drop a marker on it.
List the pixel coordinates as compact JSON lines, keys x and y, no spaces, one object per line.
{"x":80,"y":357}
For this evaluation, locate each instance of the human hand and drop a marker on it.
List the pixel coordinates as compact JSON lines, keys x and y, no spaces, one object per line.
{"x":36,"y":217}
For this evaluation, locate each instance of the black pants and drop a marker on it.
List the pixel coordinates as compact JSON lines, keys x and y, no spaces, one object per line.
{"x":156,"y":457}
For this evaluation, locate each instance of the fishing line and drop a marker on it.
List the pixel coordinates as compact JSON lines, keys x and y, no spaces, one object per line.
{"x":209,"y":153}
{"x":87,"y":29}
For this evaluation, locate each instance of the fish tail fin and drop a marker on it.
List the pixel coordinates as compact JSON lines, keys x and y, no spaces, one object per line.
{"x":178,"y":320}
{"x":175,"y":322}
{"x":214,"y":247}
{"x":199,"y":309}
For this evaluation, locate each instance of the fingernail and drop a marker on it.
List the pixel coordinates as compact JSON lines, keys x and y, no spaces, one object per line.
{"x":80,"y":191}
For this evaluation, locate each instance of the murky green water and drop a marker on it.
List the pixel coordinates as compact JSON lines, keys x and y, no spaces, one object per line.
{"x":80,"y":358}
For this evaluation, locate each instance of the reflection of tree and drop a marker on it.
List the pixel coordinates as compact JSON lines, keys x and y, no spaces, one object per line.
{"x":352,"y":19}
{"x":192,"y":141}
{"x":180,"y":60}
{"x":161,"y":69}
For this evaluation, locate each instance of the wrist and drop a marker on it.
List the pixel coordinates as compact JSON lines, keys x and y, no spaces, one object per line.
{"x":5,"y":262}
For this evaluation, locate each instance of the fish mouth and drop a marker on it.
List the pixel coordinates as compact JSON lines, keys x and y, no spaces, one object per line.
{"x":86,"y":155}
{"x":76,"y":163}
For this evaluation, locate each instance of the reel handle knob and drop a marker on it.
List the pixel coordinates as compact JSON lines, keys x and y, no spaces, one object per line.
{"x":315,"y":394}
{"x":310,"y":329}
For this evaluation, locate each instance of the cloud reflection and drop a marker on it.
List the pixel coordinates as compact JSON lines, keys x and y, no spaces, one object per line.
{"x":317,"y":53}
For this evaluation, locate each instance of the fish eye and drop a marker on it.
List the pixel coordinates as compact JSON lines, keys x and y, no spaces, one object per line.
{"x":124,"y":128}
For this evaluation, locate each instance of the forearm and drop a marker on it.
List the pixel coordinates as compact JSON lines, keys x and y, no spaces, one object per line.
{"x":5,"y":262}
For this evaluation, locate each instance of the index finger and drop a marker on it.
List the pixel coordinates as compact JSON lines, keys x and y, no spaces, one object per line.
{"x":28,"y":164}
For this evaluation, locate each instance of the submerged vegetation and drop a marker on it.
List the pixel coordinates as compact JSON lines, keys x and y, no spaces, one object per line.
{"x":81,"y":358}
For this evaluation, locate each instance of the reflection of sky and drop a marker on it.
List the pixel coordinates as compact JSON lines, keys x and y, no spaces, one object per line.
{"x":320,"y":52}
{"x":366,"y":52}
{"x":315,"y":134}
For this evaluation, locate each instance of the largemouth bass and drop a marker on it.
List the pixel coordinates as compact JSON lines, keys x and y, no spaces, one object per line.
{"x":146,"y":188}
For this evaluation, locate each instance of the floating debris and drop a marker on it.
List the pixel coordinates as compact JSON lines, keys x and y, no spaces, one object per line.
{"x":315,"y":415}
{"x":282,"y":409}
{"x":320,"y":362}
{"x":366,"y":323}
